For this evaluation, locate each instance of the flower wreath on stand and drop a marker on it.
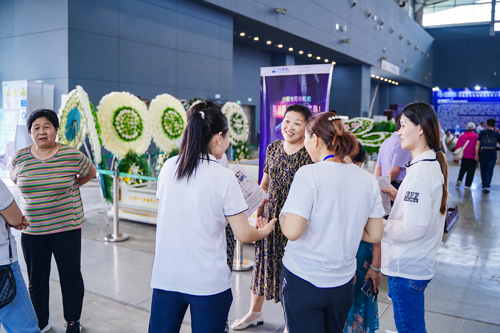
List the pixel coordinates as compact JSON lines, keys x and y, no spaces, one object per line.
{"x":92,"y":125}
{"x":168,"y":122}
{"x":71,"y":130}
{"x":125,"y":124}
{"x":134,"y":164}
{"x":237,"y":121}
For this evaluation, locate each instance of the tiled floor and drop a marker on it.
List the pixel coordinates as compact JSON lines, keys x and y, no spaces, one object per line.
{"x":463,"y":296}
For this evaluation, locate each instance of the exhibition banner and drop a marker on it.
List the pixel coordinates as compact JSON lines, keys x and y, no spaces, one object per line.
{"x":457,"y":107}
{"x":283,"y":86}
{"x":8,"y":127}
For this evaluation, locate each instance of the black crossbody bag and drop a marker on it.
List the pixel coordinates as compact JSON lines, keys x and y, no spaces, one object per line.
{"x":7,"y":280}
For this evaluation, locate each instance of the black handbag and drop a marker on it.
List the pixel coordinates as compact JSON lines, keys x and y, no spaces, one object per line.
{"x":7,"y":280}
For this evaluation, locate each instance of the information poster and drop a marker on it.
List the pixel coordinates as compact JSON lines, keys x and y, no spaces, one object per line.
{"x":8,"y":126}
{"x":460,"y":106}
{"x":281,"y":87}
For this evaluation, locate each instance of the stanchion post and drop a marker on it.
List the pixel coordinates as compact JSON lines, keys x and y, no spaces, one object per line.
{"x":241,"y":264}
{"x":116,"y":236}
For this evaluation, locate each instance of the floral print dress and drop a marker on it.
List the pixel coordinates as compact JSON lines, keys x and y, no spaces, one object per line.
{"x":363,"y":316}
{"x":269,"y":251}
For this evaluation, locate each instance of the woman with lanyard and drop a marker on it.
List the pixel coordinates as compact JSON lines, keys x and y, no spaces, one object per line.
{"x":197,"y":198}
{"x":331,"y":206}
{"x":413,"y":232}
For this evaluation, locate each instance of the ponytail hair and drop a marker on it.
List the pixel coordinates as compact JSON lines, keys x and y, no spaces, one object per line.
{"x":204,"y":120}
{"x":330,"y":128}
{"x":424,"y":115}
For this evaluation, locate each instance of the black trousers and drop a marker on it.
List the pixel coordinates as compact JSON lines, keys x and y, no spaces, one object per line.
{"x":66,"y":247}
{"x":312,"y":309}
{"x":468,"y":166}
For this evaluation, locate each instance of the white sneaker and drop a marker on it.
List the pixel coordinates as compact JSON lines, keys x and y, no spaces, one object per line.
{"x":46,"y":328}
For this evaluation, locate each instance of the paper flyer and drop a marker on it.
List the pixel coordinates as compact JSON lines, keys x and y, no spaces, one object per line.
{"x":385,"y":182}
{"x":252,"y":192}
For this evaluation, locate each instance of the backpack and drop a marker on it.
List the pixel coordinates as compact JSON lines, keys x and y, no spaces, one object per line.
{"x":488,"y":145}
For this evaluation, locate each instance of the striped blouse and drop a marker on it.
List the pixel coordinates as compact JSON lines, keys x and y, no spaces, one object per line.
{"x":50,"y":198}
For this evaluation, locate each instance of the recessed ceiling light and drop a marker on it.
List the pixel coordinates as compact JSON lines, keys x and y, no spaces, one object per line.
{"x":242,"y":34}
{"x":318,"y":58}
{"x":373,"y":75}
{"x":301,"y":52}
{"x":309,"y":55}
{"x":385,"y":80}
{"x":389,"y":81}
{"x":377,"y":77}
{"x":397,"y":83}
{"x":326,"y":60}
{"x":290,"y":49}
{"x":256,"y":38}
{"x":269,"y":42}
{"x":280,"y":45}
{"x":334,"y":63}
{"x":381,"y":78}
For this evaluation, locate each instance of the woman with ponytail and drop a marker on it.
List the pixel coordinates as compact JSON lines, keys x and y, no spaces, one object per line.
{"x":197,"y":198}
{"x":413,"y":232}
{"x":332,"y":205}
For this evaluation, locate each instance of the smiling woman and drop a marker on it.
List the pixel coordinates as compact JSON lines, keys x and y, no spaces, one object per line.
{"x":49,"y":175}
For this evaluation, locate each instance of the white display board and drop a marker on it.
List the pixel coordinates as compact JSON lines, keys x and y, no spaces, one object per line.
{"x":8,"y":127}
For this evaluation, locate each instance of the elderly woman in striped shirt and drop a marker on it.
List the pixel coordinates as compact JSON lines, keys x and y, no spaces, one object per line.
{"x":49,"y":176}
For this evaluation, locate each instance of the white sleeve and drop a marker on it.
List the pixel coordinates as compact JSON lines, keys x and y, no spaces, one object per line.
{"x":417,"y":204}
{"x":234,"y":202}
{"x":300,"y":199}
{"x":378,"y":210}
{"x":6,"y":196}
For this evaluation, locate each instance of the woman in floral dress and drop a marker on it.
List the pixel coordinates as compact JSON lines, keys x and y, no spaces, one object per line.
{"x":363,"y":316}
{"x":283,"y":159}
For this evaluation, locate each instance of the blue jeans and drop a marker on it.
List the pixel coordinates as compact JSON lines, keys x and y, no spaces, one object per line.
{"x":487,"y":164}
{"x":19,"y":315}
{"x":208,"y":313}
{"x":408,"y":303}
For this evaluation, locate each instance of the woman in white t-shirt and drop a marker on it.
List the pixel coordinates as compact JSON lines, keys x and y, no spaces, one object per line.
{"x":197,"y":198}
{"x":331,"y":206}
{"x":413,"y":232}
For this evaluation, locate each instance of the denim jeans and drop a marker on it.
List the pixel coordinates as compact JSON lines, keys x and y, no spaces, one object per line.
{"x":408,"y":303}
{"x":208,"y":313}
{"x":487,"y":165}
{"x":19,"y":315}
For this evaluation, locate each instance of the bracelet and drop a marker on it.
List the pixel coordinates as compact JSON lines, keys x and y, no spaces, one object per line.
{"x":375,"y":269}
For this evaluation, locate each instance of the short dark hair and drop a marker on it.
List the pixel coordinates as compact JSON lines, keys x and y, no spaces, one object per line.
{"x":204,"y":120}
{"x":360,"y":156}
{"x":397,"y":122}
{"x":39,"y":113}
{"x":302,"y":109}
{"x":491,"y":122}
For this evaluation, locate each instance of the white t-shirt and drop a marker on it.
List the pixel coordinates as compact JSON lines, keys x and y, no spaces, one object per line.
{"x":6,"y":199}
{"x":336,"y":200}
{"x":191,"y":255}
{"x":414,"y":230}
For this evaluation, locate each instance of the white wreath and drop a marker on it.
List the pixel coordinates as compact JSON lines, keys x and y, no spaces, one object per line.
{"x":237,"y":121}
{"x":125,"y":123}
{"x":91,"y":125}
{"x":71,"y":103}
{"x":168,"y":122}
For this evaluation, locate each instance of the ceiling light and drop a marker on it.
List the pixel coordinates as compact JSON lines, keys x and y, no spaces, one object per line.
{"x":377,"y":77}
{"x":334,"y":63}
{"x":318,"y":58}
{"x":385,"y":80}
{"x":280,"y":45}
{"x":381,"y":78}
{"x":477,"y":87}
{"x":242,"y":34}
{"x":309,"y":55}
{"x":290,"y":49}
{"x":301,"y":52}
{"x":397,"y":83}
{"x":389,"y":81}
{"x":269,"y":42}
{"x":326,"y":60}
{"x":256,"y":38}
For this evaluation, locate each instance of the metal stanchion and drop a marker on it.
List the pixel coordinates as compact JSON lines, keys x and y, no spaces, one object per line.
{"x":116,"y":236}
{"x":240,"y":264}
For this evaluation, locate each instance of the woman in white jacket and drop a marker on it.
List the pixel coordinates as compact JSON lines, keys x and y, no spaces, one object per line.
{"x":413,"y":232}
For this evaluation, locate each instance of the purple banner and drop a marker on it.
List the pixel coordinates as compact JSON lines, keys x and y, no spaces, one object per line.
{"x":308,"y":85}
